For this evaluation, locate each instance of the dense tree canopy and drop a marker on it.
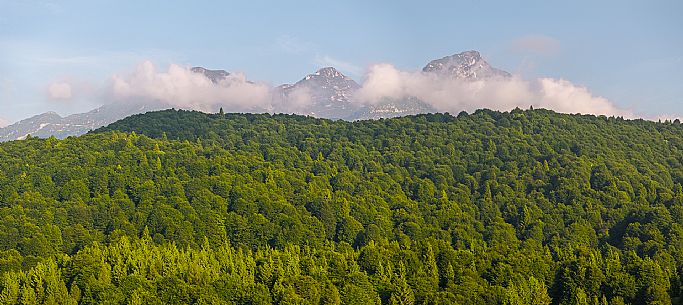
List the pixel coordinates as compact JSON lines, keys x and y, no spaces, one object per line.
{"x":178,"y":207}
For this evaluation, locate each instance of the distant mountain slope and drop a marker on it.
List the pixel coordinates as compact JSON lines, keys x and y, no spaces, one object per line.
{"x":326,"y":93}
{"x":466,"y":66}
{"x":52,"y":124}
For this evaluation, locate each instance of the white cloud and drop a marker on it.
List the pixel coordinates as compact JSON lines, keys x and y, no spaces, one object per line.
{"x":179,"y":87}
{"x":453,"y":95}
{"x":60,"y":91}
{"x":3,"y":122}
{"x":299,"y":100}
{"x":563,"y":96}
{"x":384,"y":80}
{"x":183,"y":88}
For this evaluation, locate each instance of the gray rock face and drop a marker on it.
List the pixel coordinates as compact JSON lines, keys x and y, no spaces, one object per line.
{"x":52,"y":124}
{"x":326,"y":93}
{"x":216,"y":76}
{"x":18,"y":131}
{"x":390,"y":108}
{"x":466,"y":65}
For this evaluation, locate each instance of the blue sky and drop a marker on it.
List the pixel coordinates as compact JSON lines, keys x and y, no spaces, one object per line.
{"x":628,"y":52}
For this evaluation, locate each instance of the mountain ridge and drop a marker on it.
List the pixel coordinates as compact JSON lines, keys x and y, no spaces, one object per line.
{"x":326,"y":93}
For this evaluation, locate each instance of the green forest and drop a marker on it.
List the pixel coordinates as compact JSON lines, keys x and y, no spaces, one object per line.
{"x":182,"y":207}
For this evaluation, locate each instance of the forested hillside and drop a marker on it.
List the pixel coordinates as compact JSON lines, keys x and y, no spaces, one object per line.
{"x":178,"y":207}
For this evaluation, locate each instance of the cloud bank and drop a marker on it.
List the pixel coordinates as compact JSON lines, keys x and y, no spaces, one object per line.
{"x":4,"y":123}
{"x":454,"y":95}
{"x":298,"y":101}
{"x":180,"y":87}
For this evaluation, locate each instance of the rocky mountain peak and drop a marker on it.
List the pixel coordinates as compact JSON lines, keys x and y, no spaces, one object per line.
{"x":215,"y":76}
{"x":328,"y":91}
{"x":49,"y":114}
{"x":329,"y":72}
{"x":468,"y":65}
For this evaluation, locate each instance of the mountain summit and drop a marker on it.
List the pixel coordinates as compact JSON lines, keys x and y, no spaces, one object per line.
{"x":330,"y":86}
{"x":216,"y":76}
{"x":328,"y":73}
{"x":468,"y":65}
{"x":325,"y":93}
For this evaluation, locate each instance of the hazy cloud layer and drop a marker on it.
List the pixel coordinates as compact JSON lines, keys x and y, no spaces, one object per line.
{"x":59,"y":91}
{"x":538,"y":44}
{"x":3,"y":122}
{"x":452,"y":95}
{"x":298,"y":101}
{"x":182,"y":88}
